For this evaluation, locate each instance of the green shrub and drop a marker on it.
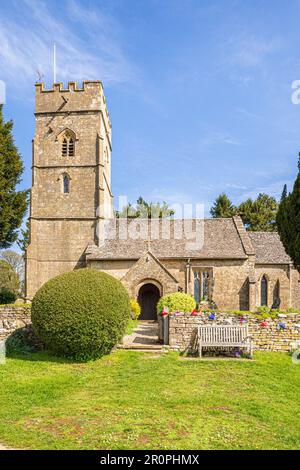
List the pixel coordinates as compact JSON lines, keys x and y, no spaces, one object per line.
{"x":135,"y":309}
{"x":7,"y":296}
{"x":22,"y":340}
{"x":9,"y":279}
{"x":81,"y":314}
{"x":292,"y":310}
{"x":263,"y":309}
{"x":176,"y":302}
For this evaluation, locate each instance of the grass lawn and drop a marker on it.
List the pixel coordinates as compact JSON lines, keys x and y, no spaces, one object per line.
{"x":132,"y":324}
{"x":132,"y":400}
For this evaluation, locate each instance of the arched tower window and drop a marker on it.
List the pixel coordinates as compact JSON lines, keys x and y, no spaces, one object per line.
{"x":68,"y":144}
{"x":66,"y":184}
{"x":264,"y":291}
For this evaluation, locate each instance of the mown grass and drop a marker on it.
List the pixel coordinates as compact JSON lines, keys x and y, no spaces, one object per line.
{"x":133,"y":400}
{"x":131,"y":326}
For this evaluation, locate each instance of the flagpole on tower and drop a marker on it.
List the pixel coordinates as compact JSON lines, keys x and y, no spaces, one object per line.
{"x":54,"y":63}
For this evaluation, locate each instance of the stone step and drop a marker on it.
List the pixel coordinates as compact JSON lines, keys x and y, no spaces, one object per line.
{"x":149,"y":351}
{"x":140,"y":346}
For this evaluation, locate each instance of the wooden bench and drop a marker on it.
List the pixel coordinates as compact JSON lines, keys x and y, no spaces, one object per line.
{"x":224,"y":336}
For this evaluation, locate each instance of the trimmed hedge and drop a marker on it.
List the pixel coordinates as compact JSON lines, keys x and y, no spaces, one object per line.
{"x":81,"y":314}
{"x":177,"y":302}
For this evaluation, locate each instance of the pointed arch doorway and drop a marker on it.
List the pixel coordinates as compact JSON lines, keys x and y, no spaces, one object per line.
{"x":148,"y":297}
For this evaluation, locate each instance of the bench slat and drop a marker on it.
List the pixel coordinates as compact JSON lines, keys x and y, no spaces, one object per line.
{"x":223,"y":335}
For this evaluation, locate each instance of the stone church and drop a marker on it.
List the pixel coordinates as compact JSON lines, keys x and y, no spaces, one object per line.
{"x":71,"y":221}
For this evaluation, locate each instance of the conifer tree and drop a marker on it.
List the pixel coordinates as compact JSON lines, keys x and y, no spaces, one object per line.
{"x":284,"y":193}
{"x":13,"y":203}
{"x":23,"y":241}
{"x":222,"y":207}
{"x":288,"y":221}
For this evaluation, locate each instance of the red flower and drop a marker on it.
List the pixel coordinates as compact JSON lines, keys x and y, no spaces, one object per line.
{"x":165,"y":311}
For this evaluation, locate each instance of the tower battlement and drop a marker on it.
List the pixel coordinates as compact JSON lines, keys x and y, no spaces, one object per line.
{"x":89,"y":97}
{"x":72,"y":86}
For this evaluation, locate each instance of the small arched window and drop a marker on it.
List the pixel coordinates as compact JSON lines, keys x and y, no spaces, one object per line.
{"x":68,"y":145}
{"x":264,"y":291}
{"x":66,"y":184}
{"x":197,"y":287}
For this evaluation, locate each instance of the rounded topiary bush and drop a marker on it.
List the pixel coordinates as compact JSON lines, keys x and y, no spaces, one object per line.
{"x":81,"y":314}
{"x":177,"y":302}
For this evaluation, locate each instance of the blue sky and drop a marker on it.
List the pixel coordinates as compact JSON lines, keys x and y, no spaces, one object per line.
{"x":199,"y":91}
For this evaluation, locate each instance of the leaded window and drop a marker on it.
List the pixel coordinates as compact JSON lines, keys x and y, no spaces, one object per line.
{"x":197,"y":285}
{"x":264,"y":291}
{"x":201,"y":285}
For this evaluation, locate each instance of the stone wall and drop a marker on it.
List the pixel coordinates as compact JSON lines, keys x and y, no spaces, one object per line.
{"x":12,"y":318}
{"x":183,"y":330}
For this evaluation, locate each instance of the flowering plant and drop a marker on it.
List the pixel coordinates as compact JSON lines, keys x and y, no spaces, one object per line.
{"x":177,"y":314}
{"x":165,"y":311}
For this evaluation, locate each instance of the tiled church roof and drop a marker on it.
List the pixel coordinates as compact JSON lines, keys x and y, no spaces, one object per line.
{"x":268,"y":248}
{"x":222,"y":240}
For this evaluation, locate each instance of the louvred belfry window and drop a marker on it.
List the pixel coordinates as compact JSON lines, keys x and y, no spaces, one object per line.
{"x":68,"y":145}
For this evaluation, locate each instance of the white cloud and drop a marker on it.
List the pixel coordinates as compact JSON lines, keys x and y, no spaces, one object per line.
{"x":246,"y":54}
{"x":219,"y":137}
{"x":248,"y":50}
{"x":272,"y":189}
{"x":251,"y":52}
{"x":27,"y":45}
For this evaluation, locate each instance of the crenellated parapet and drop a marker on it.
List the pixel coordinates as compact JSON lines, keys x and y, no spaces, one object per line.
{"x":72,"y":99}
{"x":72,"y":86}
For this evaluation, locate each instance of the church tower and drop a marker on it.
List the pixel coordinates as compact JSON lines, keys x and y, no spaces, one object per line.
{"x":71,"y":185}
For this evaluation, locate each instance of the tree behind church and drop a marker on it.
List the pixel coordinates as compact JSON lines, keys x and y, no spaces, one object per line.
{"x":259,"y":214}
{"x":222,"y":207}
{"x":146,"y":210}
{"x":24,"y":237}
{"x":13,"y":203}
{"x":288,"y":221}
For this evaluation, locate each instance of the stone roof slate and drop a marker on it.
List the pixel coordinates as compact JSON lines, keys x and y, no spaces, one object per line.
{"x":222,"y":240}
{"x":269,"y":248}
